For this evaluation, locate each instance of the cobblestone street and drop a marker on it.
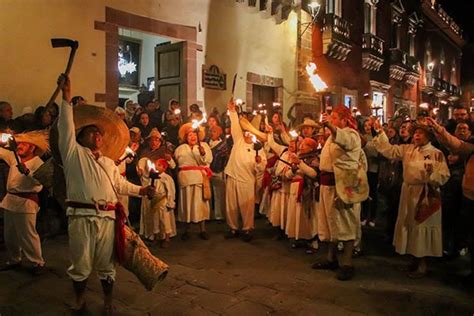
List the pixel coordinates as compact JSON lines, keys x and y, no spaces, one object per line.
{"x":264,"y":277}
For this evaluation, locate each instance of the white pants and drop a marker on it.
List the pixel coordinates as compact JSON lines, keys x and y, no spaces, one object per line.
{"x":21,"y":237}
{"x":91,"y":244}
{"x":240,"y":199}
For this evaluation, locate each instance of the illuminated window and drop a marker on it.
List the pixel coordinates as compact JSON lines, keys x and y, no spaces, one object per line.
{"x":379,"y":105}
{"x":334,"y":6}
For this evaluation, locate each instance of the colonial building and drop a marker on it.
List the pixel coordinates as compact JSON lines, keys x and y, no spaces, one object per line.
{"x":378,"y":56}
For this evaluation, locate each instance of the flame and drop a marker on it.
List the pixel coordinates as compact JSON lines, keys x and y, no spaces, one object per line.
{"x":320,"y":117}
{"x":293,"y":133}
{"x":197,"y":123}
{"x":6,"y":137}
{"x":254,"y":112}
{"x":276,"y":104}
{"x":260,"y":105}
{"x":316,"y":81}
{"x":239,"y":102}
{"x":129,"y":151}
{"x":151,"y":165}
{"x":319,"y":146}
{"x":424,"y":105}
{"x":177,"y":111}
{"x":254,"y":139}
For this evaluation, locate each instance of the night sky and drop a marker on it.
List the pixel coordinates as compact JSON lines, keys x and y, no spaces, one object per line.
{"x":462,"y":12}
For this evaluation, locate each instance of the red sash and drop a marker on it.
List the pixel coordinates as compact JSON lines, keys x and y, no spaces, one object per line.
{"x":327,"y":178}
{"x":27,"y":195}
{"x":206,"y":170}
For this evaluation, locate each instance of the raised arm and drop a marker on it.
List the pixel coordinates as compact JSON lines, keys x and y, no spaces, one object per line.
{"x":8,"y":156}
{"x":235,"y":129}
{"x":388,"y":150}
{"x":277,"y":148}
{"x":454,"y":144}
{"x":66,"y":130}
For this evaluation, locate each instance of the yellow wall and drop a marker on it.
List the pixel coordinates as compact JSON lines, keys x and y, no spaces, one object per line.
{"x":241,"y":40}
{"x":234,"y":37}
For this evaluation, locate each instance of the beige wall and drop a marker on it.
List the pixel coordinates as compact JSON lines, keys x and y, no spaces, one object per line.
{"x":241,"y":40}
{"x":234,"y":37}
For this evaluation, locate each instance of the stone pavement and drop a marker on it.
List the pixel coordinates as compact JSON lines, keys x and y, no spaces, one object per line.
{"x":264,"y":277}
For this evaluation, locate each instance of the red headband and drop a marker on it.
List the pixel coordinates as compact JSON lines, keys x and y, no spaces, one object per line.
{"x":345,"y":113}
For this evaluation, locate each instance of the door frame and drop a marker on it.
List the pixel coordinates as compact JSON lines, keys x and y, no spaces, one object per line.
{"x":263,"y":80}
{"x":115,"y":19}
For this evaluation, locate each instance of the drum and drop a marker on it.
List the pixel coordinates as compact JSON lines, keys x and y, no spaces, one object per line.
{"x":141,"y":262}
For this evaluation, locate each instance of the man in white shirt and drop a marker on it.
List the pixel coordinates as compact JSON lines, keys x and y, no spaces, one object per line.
{"x":93,"y":183}
{"x":21,"y":202}
{"x":244,"y":166}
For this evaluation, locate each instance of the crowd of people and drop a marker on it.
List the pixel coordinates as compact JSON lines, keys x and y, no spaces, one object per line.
{"x":318,"y":182}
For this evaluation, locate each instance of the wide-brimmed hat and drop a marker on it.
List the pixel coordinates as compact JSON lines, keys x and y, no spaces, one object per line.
{"x":114,"y":131}
{"x":308,"y":122}
{"x":187,"y":128}
{"x":40,"y":139}
{"x":154,"y":133}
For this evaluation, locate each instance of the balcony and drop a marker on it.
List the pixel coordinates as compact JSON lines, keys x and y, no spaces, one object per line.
{"x":413,"y":71}
{"x":336,"y":37}
{"x":372,"y":52}
{"x":441,"y":88}
{"x":398,"y":64}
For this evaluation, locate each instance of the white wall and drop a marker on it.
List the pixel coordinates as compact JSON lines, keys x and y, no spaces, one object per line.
{"x":234,"y":37}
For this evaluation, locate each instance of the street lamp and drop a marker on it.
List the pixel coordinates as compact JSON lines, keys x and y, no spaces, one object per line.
{"x":313,"y":8}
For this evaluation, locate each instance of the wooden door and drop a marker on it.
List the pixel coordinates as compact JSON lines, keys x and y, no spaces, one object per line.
{"x":170,"y":74}
{"x":263,"y":95}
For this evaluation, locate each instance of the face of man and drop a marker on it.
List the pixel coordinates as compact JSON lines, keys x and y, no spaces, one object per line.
{"x":6,"y":112}
{"x":155,"y":143}
{"x":420,"y":137}
{"x":460,"y":115}
{"x":135,"y":137}
{"x":91,"y":137}
{"x":462,"y":131}
{"x":307,"y":131}
{"x":25,"y":150}
{"x":292,"y":146}
{"x":337,"y":121}
{"x":305,"y":148}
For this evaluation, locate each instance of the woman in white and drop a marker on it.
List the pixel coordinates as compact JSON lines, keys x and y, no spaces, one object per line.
{"x":301,"y":221}
{"x":280,"y":196}
{"x":193,"y":158}
{"x":157,"y":220}
{"x":424,"y":168}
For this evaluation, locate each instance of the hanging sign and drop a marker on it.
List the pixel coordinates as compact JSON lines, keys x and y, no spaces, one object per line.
{"x":212,"y":78}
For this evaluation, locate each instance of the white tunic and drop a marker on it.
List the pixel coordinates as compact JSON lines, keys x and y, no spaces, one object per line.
{"x":241,"y":165}
{"x":19,"y":183}
{"x":191,"y":206}
{"x":418,"y":239}
{"x":86,"y":181}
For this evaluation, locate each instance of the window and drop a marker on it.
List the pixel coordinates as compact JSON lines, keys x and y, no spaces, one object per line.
{"x":349,"y":101}
{"x":334,"y":6}
{"x":379,"y":105}
{"x":370,"y":16}
{"x":412,"y":44}
{"x":453,"y":79}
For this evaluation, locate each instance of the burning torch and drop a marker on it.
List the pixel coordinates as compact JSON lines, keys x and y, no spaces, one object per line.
{"x":129,"y":154}
{"x":197,"y":124}
{"x":153,"y":173}
{"x":8,"y":140}
{"x":256,"y":145}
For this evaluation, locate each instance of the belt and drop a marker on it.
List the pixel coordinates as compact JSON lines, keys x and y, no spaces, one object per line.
{"x":100,"y":207}
{"x":327,"y":178}
{"x":32,"y":196}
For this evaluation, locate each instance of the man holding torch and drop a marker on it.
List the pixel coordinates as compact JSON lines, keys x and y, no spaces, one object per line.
{"x":21,"y":201}
{"x":245,"y":164}
{"x":342,"y":161}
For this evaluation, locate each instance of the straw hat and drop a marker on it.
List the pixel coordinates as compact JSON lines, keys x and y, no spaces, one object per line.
{"x":154,"y":133}
{"x":308,"y":122}
{"x":114,"y":131}
{"x":38,"y":138}
{"x":187,"y":128}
